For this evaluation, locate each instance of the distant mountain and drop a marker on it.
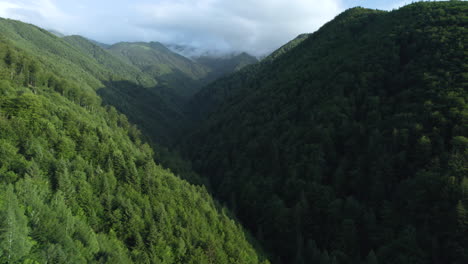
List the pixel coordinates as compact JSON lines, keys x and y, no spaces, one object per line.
{"x":227,"y":64}
{"x":118,"y":66}
{"x":171,"y":69}
{"x":57,"y":33}
{"x":213,"y":96}
{"x":349,"y":145}
{"x":190,"y":51}
{"x":102,"y":45}
{"x":187,"y":50}
{"x":219,"y":63}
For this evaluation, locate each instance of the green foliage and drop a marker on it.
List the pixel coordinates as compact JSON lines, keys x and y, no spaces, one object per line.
{"x":81,"y":67}
{"x":173,"y":71}
{"x":348,"y":145}
{"x":13,"y":228}
{"x":110,"y":62}
{"x":353,"y":137}
{"x":78,"y":183}
{"x":286,"y":48}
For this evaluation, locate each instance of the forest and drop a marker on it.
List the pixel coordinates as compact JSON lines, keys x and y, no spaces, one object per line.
{"x":346,"y":145}
{"x":78,"y":183}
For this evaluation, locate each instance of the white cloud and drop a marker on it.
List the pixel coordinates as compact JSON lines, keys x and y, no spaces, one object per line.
{"x":256,"y":26}
{"x":398,"y":4}
{"x":5,"y":7}
{"x":40,"y":12}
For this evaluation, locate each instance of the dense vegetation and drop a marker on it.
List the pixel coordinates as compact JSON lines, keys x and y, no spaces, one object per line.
{"x":176,"y":73}
{"x":78,"y":185}
{"x":350,"y":145}
{"x":287,"y":47}
{"x":173,"y":70}
{"x":151,"y":84}
{"x":104,"y":58}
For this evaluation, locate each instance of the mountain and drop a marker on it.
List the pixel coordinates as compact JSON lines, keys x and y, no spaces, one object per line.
{"x":56,"y":33}
{"x":78,"y":184}
{"x":135,"y":93}
{"x":224,"y":65}
{"x":108,"y":61}
{"x":212,"y":95}
{"x":100,"y":44}
{"x":173,"y":70}
{"x":158,"y":109}
{"x":191,"y":51}
{"x":185,"y":75}
{"x":287,"y":47}
{"x":219,"y":63}
{"x":349,"y":145}
{"x":55,"y":53}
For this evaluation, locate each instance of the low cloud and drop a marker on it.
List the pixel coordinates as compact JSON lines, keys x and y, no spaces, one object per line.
{"x":255,"y":26}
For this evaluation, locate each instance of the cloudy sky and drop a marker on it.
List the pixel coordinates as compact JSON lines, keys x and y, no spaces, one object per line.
{"x":255,"y":26}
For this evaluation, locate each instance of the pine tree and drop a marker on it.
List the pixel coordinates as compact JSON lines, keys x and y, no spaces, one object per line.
{"x":14,"y":241}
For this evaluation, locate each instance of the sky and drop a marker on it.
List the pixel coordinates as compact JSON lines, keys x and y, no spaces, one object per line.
{"x":255,"y":26}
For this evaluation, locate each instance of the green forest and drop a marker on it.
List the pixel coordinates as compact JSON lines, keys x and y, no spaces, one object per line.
{"x":78,"y":184}
{"x":349,"y":145}
{"x":346,"y":145}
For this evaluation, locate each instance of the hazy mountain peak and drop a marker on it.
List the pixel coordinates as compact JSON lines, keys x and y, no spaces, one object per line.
{"x":56,"y":33}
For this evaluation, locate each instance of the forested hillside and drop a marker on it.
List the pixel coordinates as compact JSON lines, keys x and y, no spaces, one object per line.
{"x":350,"y":145}
{"x":224,"y":65}
{"x":112,"y":63}
{"x":150,"y":84}
{"x":78,"y":185}
{"x":175,"y":71}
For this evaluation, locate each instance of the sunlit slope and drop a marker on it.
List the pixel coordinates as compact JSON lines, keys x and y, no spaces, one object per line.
{"x":78,"y":185}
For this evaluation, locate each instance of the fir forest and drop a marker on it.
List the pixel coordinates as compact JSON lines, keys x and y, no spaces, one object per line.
{"x":348,"y":145}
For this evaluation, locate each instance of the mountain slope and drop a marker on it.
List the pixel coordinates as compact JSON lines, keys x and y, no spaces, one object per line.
{"x":287,"y":47}
{"x":154,"y":108}
{"x":350,"y":147}
{"x":173,"y":70}
{"x":56,"y":33}
{"x":159,"y":110}
{"x":110,"y":62}
{"x":49,"y":48}
{"x":77,"y":183}
{"x":223,"y":65}
{"x":213,"y":94}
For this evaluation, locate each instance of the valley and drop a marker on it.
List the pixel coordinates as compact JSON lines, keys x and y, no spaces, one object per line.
{"x":346,"y":145}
